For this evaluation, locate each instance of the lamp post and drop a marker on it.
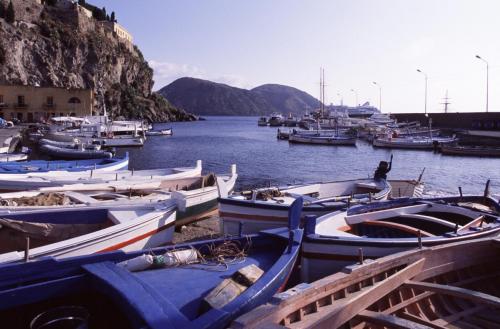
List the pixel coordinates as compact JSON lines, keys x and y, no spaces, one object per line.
{"x":379,"y":95}
{"x":487,"y":78}
{"x":425,"y":101}
{"x":355,"y":94}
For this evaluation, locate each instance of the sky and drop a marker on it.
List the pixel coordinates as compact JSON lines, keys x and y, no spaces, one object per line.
{"x":249,"y":43}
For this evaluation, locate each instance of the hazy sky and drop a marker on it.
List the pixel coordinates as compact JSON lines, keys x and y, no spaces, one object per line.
{"x":249,"y":43}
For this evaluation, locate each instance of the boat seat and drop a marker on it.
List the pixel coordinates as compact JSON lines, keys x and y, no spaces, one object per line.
{"x":136,"y":295}
{"x":430,"y":219}
{"x":122,"y":216}
{"x":80,"y":197}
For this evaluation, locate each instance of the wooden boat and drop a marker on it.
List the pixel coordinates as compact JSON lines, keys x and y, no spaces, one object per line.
{"x":115,"y":141}
{"x":79,"y":152}
{"x":81,"y":231}
{"x":259,"y":209}
{"x":196,"y":197}
{"x":53,"y":167}
{"x":413,"y":142}
{"x":13,"y":157}
{"x":122,"y":180}
{"x":210,"y":291}
{"x":479,"y":151}
{"x":262,"y":122}
{"x":379,"y":229}
{"x":322,"y":139}
{"x":448,"y":286}
{"x":163,"y":132}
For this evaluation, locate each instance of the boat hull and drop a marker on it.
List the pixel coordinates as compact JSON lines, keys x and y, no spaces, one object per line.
{"x":319,"y":140}
{"x":470,"y":151}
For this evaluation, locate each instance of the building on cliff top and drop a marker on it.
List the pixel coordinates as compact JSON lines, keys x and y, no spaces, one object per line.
{"x":117,"y":30}
{"x":35,"y":104}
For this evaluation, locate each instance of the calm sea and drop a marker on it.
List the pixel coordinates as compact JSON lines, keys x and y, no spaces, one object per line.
{"x":261,"y":158}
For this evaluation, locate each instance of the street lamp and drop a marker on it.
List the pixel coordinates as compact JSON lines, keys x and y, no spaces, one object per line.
{"x":425,"y":101}
{"x":487,"y":73}
{"x":355,"y":94}
{"x":379,"y":96}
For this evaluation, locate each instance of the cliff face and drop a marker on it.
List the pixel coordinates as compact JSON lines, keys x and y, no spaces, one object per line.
{"x":204,"y":97}
{"x":60,"y":46}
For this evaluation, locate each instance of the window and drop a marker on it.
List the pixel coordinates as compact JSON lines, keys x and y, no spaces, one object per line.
{"x":20,"y":100}
{"x":74,"y":100}
{"x":30,"y":117}
{"x":1,"y":99}
{"x":50,"y":100}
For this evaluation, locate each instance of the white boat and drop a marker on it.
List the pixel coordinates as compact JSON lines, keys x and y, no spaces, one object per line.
{"x":91,"y":181}
{"x":115,"y":141}
{"x":163,"y":132}
{"x":276,"y":120}
{"x":65,"y":233}
{"x":413,"y":142}
{"x":336,"y":240}
{"x":262,"y":122}
{"x":195,"y":197}
{"x":12,"y":157}
{"x":252,"y":211}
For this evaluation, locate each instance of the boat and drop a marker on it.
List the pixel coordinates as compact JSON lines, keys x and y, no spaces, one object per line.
{"x":204,"y":284}
{"x":114,"y":141}
{"x":53,"y":167}
{"x":262,"y":122}
{"x":283,"y":135}
{"x":334,"y":240}
{"x":35,"y":234}
{"x":447,"y":286}
{"x":320,"y":139}
{"x":291,"y":121}
{"x":163,"y":132}
{"x":413,"y":142}
{"x":195,"y":197}
{"x":13,"y":157}
{"x":122,"y":180}
{"x":276,"y":120}
{"x":478,"y":151}
{"x":79,"y":152}
{"x":263,"y":208}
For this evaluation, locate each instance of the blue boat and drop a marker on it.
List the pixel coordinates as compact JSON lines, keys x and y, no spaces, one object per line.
{"x":110,"y":294}
{"x":45,"y":166}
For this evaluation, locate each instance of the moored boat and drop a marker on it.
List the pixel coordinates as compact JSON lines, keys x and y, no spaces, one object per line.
{"x":80,"y":152}
{"x":479,"y":151}
{"x":262,"y":122}
{"x":81,"y":231}
{"x":163,"y":132}
{"x":320,"y":139}
{"x":198,"y":285}
{"x":413,"y":142}
{"x":334,"y":240}
{"x":276,"y":120}
{"x":448,"y":286}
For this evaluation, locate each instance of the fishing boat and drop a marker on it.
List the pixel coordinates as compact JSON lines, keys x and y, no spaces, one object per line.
{"x":80,"y":152}
{"x":321,"y":139}
{"x":205,"y":284}
{"x":334,"y":240}
{"x":52,"y":167}
{"x":163,"y":132}
{"x":263,"y":208}
{"x":262,"y":122}
{"x":478,"y":151}
{"x":109,"y":141}
{"x":196,"y":197}
{"x":283,"y":135}
{"x":448,"y":286}
{"x":122,"y":180}
{"x":276,"y":120}
{"x":413,"y":142}
{"x":66,"y":232}
{"x":13,"y":157}
{"x":291,"y":121}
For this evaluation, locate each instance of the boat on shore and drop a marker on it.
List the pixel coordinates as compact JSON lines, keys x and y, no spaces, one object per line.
{"x":379,"y":229}
{"x":447,"y":286}
{"x":205,"y":284}
{"x":67,"y":232}
{"x":478,"y":151}
{"x":54,"y":167}
{"x":13,"y":157}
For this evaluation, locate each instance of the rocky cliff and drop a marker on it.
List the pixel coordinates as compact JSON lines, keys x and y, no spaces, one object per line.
{"x":62,"y":46}
{"x":204,"y":97}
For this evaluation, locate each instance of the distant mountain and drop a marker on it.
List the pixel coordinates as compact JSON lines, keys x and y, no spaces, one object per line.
{"x":203,"y":97}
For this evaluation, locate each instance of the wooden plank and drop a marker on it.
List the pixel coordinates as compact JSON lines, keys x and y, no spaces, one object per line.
{"x":472,"y":295}
{"x":472,"y":223}
{"x":408,"y":302}
{"x":416,"y":319}
{"x":390,"y":321}
{"x":457,"y":316}
{"x":385,"y":213}
{"x":349,"y":307}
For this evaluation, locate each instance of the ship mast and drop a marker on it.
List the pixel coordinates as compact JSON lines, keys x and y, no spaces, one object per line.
{"x":446,"y":102}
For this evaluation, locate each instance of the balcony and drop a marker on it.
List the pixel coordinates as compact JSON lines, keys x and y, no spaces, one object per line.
{"x":20,"y":105}
{"x":48,"y":106}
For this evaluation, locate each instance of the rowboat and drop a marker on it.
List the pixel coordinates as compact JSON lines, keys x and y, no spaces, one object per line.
{"x":479,"y":151}
{"x":264,"y":208}
{"x":13,"y":157}
{"x":448,"y":286}
{"x":115,"y":141}
{"x":195,"y":197}
{"x":79,"y":152}
{"x":321,"y":139}
{"x":379,"y":229}
{"x":413,"y":142}
{"x":122,"y":180}
{"x":71,"y":232}
{"x":163,"y":132}
{"x":53,"y":167}
{"x":199,"y":285}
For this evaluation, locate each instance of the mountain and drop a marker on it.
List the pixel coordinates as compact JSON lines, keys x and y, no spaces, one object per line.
{"x":203,"y":97}
{"x":62,"y":44}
